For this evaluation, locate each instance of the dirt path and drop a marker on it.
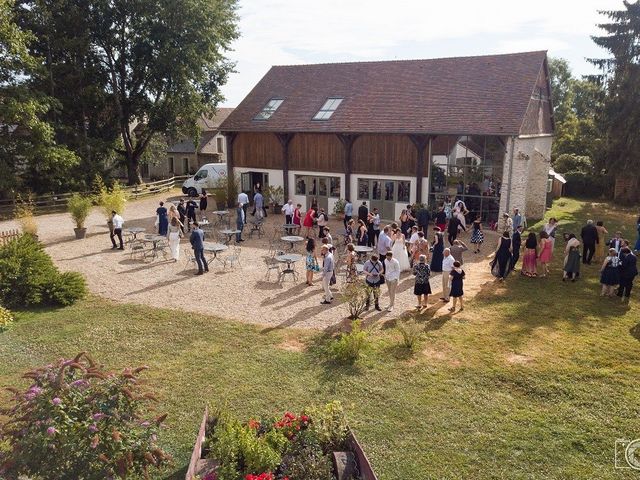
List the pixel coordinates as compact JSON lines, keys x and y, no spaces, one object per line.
{"x":242,"y":294}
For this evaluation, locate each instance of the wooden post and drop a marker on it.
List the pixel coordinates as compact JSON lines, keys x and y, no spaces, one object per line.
{"x":284,"y":139}
{"x":347,"y":140}
{"x":232,"y":197}
{"x":420,"y":141}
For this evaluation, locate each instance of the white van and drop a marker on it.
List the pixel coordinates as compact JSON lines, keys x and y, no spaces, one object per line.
{"x":204,"y":178}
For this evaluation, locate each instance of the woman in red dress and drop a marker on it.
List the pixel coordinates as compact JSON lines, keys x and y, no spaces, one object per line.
{"x":308,"y":221}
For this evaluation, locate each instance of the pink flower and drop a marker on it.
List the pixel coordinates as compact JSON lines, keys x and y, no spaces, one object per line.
{"x":51,"y":431}
{"x":98,"y":416}
{"x":93,"y":428}
{"x":56,"y":401}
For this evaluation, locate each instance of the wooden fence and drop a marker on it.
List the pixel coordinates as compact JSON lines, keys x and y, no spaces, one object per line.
{"x":8,"y":235}
{"x":58,"y":202}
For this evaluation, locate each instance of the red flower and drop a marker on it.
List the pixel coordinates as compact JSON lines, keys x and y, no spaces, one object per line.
{"x":254,"y":424}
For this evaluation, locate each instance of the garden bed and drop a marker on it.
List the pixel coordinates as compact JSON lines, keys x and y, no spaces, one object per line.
{"x":202,"y":465}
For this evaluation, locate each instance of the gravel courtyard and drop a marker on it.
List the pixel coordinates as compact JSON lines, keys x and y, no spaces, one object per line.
{"x":242,"y":294}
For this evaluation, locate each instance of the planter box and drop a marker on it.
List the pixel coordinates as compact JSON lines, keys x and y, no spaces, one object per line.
{"x":199,"y":465}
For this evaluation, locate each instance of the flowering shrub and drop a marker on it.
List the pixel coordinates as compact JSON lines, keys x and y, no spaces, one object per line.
{"x":349,"y":346}
{"x":6,"y":319}
{"x":292,"y":447}
{"x":77,"y":421}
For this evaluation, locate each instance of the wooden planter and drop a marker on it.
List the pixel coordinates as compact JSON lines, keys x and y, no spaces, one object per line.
{"x":197,"y":464}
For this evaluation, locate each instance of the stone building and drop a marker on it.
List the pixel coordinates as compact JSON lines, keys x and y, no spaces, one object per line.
{"x":397,"y":132}
{"x":182,"y":157}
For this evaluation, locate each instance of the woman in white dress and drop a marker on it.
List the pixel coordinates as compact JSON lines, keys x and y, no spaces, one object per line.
{"x":174,"y":233}
{"x":399,"y":250}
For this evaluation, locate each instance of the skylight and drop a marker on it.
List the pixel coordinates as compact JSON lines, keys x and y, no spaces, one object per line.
{"x":328,"y":108}
{"x":269,"y":109}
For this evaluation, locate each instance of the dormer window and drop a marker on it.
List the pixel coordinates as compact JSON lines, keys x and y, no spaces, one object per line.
{"x":328,"y":108}
{"x":269,"y":109}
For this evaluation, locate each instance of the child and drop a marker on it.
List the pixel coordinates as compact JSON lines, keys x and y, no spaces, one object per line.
{"x":477,"y":236}
{"x":457,"y":277}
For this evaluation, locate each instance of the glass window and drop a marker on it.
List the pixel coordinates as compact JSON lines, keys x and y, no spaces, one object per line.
{"x":389,"y":189}
{"x":323,"y":187}
{"x":201,"y":174}
{"x":335,"y":187}
{"x":313,"y":187}
{"x":363,"y":189}
{"x":376,"y":190}
{"x":269,"y":109}
{"x":301,"y":186}
{"x":219,"y":142}
{"x":328,"y":108}
{"x":403,"y":191}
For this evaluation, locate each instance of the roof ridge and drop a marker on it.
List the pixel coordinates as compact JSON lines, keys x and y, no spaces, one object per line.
{"x":410,"y":60}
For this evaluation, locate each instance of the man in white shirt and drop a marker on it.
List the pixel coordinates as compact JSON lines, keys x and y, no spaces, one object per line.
{"x":447,"y":266}
{"x":391,"y":277}
{"x":243,"y":198}
{"x":288,"y":211}
{"x":117,"y":221}
{"x":384,"y":242}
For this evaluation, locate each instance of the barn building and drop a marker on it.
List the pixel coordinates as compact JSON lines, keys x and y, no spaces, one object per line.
{"x":397,"y":132}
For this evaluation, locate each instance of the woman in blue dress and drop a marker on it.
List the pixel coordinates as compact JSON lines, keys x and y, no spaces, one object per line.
{"x":163,"y":219}
{"x":438,"y":251}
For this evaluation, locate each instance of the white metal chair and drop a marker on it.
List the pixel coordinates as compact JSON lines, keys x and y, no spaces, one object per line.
{"x":232,"y":259}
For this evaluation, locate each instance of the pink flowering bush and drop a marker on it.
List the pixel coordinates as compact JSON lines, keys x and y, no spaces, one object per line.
{"x":78,"y":421}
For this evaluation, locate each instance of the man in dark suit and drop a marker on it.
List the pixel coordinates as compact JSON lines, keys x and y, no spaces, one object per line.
{"x":628,"y":271}
{"x":197,"y":243}
{"x":452,"y":228}
{"x":423,"y":218}
{"x":363,"y":212}
{"x":182,"y":211}
{"x":589,"y":234}
{"x":516,"y":241}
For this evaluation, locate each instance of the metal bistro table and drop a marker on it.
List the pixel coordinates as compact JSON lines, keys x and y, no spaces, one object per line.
{"x":155,"y":240}
{"x":215,"y":249}
{"x":229,"y":234}
{"x":221,"y":217}
{"x":289,"y":227}
{"x":134,"y":231}
{"x":292,"y":240}
{"x":362,"y":250}
{"x":290,"y":259}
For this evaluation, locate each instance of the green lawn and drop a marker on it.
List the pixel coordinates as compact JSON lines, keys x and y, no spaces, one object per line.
{"x":535,"y":379}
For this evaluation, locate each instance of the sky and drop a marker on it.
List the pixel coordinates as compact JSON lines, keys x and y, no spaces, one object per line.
{"x":289,"y":32}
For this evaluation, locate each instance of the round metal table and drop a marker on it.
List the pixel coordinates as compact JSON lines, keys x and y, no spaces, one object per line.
{"x":292,"y":240}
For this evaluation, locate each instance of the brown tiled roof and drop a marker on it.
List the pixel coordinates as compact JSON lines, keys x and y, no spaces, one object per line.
{"x":466,"y":95}
{"x":209,"y":128}
{"x":213,"y":123}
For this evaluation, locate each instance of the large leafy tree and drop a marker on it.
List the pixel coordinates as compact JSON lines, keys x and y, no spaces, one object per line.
{"x":621,"y":78}
{"x":165,"y":62}
{"x":28,"y":151}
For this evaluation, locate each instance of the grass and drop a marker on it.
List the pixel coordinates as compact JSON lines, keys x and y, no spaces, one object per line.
{"x":535,"y":379}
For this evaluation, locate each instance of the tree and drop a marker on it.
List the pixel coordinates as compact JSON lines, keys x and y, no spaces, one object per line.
{"x":165,"y":64}
{"x":28,"y":151}
{"x":621,"y":78}
{"x":560,"y":79}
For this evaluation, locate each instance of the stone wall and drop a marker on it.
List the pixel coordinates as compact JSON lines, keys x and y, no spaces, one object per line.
{"x":528,"y":170}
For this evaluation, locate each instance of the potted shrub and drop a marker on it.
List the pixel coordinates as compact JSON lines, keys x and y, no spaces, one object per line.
{"x":110,"y":199}
{"x":275,"y":197}
{"x":79,"y":208}
{"x":338,"y":208}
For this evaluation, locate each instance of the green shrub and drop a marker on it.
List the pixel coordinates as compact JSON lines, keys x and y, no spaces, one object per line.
{"x":338,"y":208}
{"x":329,"y":426}
{"x":28,"y":277}
{"x":109,"y":199}
{"x":6,"y":319}
{"x":78,"y":421}
{"x":355,"y":296}
{"x":24,"y":214}
{"x":305,"y":460}
{"x":79,"y":208}
{"x":411,"y":333}
{"x":348,"y":348}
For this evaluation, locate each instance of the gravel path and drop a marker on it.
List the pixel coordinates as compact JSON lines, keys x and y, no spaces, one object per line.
{"x":242,"y":294}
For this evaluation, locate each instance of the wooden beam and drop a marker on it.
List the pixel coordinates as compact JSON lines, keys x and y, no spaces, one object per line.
{"x":347,"y":140}
{"x":420,"y":141}
{"x":284,"y":139}
{"x":232,"y":196}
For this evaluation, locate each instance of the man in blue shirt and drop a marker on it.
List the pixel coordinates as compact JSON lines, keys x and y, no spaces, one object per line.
{"x":197,"y":243}
{"x":258,"y":202}
{"x":348,"y":212}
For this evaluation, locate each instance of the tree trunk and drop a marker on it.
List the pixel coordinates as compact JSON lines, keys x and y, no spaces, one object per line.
{"x":133,"y":170}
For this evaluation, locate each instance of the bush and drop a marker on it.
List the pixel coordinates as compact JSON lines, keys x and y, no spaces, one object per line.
{"x":78,"y":421}
{"x":411,"y":333}
{"x":79,"y":208}
{"x":338,"y":208}
{"x":24,"y":214}
{"x":109,"y":199}
{"x":355,"y":296}
{"x":28,"y":277}
{"x":329,"y":426}
{"x":348,"y":348}
{"x":6,"y":319}
{"x":588,"y":186}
